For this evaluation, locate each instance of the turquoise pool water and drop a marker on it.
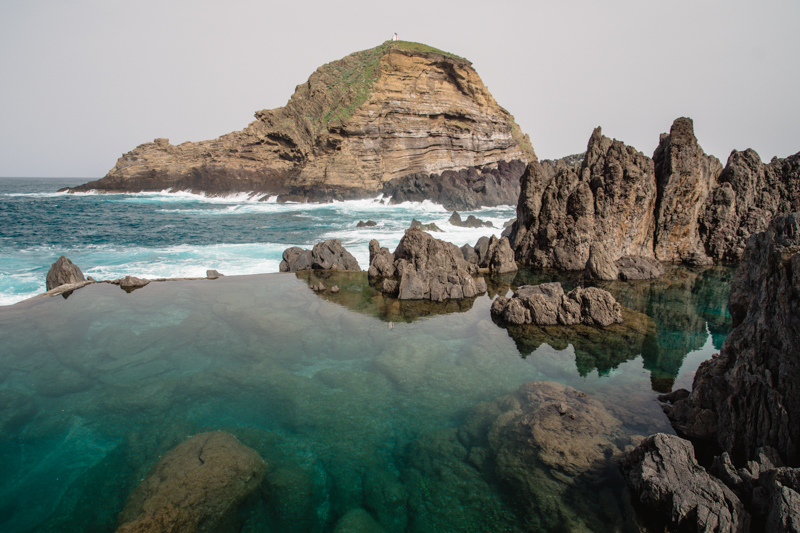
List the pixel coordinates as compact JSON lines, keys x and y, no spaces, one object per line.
{"x":355,"y":401}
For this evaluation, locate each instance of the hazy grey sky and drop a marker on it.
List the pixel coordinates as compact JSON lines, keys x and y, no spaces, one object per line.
{"x":84,"y":81}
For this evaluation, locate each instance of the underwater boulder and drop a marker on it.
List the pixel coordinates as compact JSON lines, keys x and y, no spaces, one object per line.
{"x":195,"y":487}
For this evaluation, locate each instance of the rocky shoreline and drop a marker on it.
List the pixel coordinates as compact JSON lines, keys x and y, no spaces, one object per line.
{"x":744,"y":403}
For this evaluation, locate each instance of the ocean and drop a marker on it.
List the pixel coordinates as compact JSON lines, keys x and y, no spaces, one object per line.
{"x":173,"y":235}
{"x":372,"y":414}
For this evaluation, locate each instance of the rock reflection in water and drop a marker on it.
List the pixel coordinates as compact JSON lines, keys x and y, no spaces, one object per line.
{"x":357,"y":294}
{"x":665,"y":319}
{"x":351,"y":416}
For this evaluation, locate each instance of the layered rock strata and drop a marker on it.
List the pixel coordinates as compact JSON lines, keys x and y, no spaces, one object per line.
{"x":374,"y":116}
{"x":679,"y":206}
{"x":546,"y":304}
{"x":327,"y":255}
{"x":427,"y":269}
{"x":196,"y":486}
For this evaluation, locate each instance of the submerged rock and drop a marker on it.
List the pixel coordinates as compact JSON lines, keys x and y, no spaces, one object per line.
{"x":63,"y":272}
{"x":553,"y":447}
{"x":358,"y":521}
{"x":196,"y":486}
{"x":546,"y":304}
{"x":327,"y":255}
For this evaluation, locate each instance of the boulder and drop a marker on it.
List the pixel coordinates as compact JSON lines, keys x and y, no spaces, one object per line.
{"x":328,"y":255}
{"x":546,"y":304}
{"x":381,"y":261}
{"x":131,"y":283}
{"x":425,"y":227}
{"x":213,"y":274}
{"x":427,"y":268}
{"x":470,"y":222}
{"x":63,"y":272}
{"x":664,"y":476}
{"x":358,"y":521}
{"x":196,"y":487}
{"x":632,"y":267}
{"x":553,"y":448}
{"x":464,"y":189}
{"x":599,"y":265}
{"x":469,"y":254}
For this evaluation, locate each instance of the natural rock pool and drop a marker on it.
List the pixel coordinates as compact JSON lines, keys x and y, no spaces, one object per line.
{"x":415,"y":414}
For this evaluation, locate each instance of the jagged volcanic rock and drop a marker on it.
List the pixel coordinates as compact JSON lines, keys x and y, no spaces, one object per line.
{"x":749,"y":395}
{"x":680,"y":206}
{"x":546,"y":304}
{"x":686,"y":177}
{"x":376,"y":115}
{"x":427,"y":268}
{"x":63,"y":272}
{"x":328,"y":255}
{"x":663,"y":475}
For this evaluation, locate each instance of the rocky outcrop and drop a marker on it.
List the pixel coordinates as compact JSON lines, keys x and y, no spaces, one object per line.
{"x":749,"y":395}
{"x":196,"y":486}
{"x":546,"y":304}
{"x":63,"y":272}
{"x":427,"y":268}
{"x":749,"y":195}
{"x":367,"y":224}
{"x":686,"y":177}
{"x":465,"y":189}
{"x":680,"y":206}
{"x":430,"y":226}
{"x":470,"y":222}
{"x":563,"y":211}
{"x":600,"y":266}
{"x":327,"y":255}
{"x":745,"y":400}
{"x":551,"y":446}
{"x":664,"y":476}
{"x":374,"y":116}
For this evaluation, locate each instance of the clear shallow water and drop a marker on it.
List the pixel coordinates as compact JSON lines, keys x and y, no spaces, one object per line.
{"x":354,"y":400}
{"x":156,"y":235}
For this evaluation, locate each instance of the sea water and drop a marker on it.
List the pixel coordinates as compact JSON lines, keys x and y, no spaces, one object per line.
{"x":162,"y":234}
{"x":355,"y":400}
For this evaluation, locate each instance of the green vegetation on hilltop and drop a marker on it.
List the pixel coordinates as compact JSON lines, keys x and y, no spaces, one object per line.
{"x":350,"y":80}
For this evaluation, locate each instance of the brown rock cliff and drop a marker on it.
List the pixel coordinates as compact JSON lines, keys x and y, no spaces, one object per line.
{"x":375,"y":115}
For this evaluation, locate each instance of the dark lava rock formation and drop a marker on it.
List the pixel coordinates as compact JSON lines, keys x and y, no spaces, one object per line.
{"x":547,"y":305}
{"x":744,"y":400}
{"x":427,"y":269}
{"x":195,"y":487}
{"x":679,"y":206}
{"x":470,"y":222}
{"x":749,"y":395}
{"x":63,"y":272}
{"x":328,"y":255}
{"x":465,"y":189}
{"x":396,"y":110}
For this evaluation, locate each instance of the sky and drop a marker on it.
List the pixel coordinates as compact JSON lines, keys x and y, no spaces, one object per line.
{"x":84,"y":81}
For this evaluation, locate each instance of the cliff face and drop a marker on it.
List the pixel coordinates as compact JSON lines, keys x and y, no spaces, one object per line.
{"x":749,"y":396}
{"x":397,"y":109}
{"x":679,"y":206}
